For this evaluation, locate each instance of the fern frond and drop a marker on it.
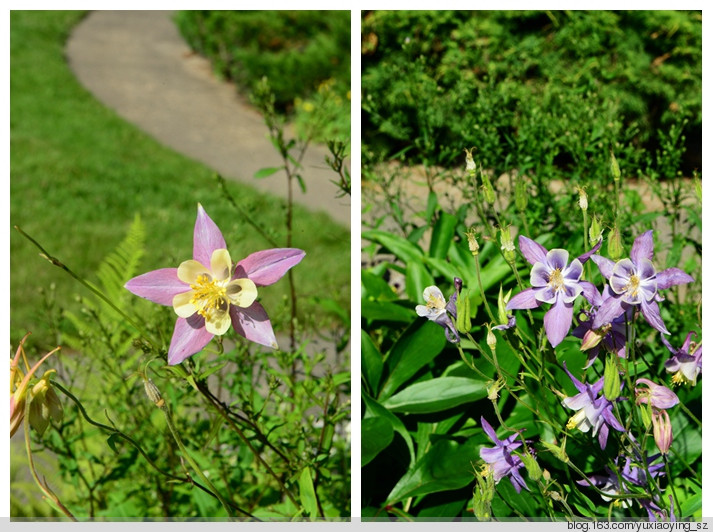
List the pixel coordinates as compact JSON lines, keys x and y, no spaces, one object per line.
{"x":121,"y":265}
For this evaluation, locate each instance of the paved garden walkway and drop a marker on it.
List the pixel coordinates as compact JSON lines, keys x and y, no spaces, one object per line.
{"x":136,"y":63}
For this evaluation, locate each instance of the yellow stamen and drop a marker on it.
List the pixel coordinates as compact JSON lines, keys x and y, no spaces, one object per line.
{"x":632,"y":287}
{"x":209,"y":295}
{"x":556,"y":281}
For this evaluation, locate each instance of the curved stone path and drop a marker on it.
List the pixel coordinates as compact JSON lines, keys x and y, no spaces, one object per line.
{"x":136,"y":63}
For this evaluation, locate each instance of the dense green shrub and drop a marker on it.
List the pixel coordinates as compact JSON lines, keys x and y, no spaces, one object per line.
{"x":296,"y":50}
{"x":547,"y":92}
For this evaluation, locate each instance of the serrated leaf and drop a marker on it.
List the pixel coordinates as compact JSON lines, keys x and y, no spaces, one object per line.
{"x":436,"y":395}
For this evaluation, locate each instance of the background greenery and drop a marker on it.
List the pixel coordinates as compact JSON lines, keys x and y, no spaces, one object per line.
{"x":539,"y":91}
{"x":79,"y":174}
{"x":304,"y":54}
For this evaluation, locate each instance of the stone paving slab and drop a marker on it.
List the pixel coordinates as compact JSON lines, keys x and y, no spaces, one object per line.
{"x":136,"y":63}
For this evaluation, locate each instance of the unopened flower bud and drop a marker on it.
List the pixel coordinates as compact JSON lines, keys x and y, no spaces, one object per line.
{"x":494,"y":389}
{"x":663,"y":432}
{"x":473,"y":245}
{"x":646,"y":415}
{"x":488,"y":190}
{"x":614,"y":166}
{"x":615,"y":249}
{"x":469,"y":162}
{"x":153,"y":393}
{"x":502,"y":303}
{"x":583,"y":203}
{"x":593,"y":337}
{"x":507,"y":244}
{"x":595,"y":230}
{"x":463,"y":323}
{"x":658,"y":396}
{"x":483,"y":493}
{"x":558,"y":451}
{"x":521,"y":194}
{"x":44,"y":404}
{"x":612,"y":381}
{"x":490,"y":339}
{"x":533,"y":468}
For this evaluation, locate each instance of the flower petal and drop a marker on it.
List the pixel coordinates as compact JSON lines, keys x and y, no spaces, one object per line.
{"x":585,"y":256}
{"x":606,"y":266}
{"x":268,"y":266}
{"x":253,"y":324}
{"x":220,"y":264}
{"x":241,"y":292}
{"x":523,"y":300}
{"x":189,"y":270}
{"x":643,"y":247}
{"x":531,"y":250}
{"x":206,"y":237}
{"x":650,"y":310}
{"x":671,"y":276}
{"x":489,"y":429}
{"x":189,"y":337}
{"x":558,"y":321}
{"x":611,"y":309}
{"x":591,"y":293}
{"x":183,"y":304}
{"x":158,"y":286}
{"x":540,"y":274}
{"x":557,"y":259}
{"x":219,"y":322}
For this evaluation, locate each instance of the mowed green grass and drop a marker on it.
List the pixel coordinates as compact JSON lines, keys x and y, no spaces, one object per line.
{"x":79,"y":174}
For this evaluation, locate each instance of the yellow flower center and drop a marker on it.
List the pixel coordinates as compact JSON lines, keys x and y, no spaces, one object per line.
{"x":556,"y":280}
{"x":209,"y":295}
{"x":632,"y":287}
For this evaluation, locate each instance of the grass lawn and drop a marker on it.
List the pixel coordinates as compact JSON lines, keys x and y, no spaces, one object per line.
{"x":79,"y":174}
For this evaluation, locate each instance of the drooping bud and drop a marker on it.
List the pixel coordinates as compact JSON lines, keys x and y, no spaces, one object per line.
{"x":153,"y":393}
{"x":595,"y":230}
{"x":44,"y":404}
{"x":614,"y":166}
{"x":615,"y":249}
{"x":521,"y":194}
{"x":488,"y":190}
{"x":663,"y":432}
{"x":658,"y":396}
{"x":593,"y":337}
{"x":612,"y":380}
{"x":507,"y":244}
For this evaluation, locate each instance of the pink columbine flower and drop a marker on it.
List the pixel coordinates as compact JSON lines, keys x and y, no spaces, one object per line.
{"x":557,"y":281}
{"x":209,"y":293}
{"x":685,"y":364}
{"x":656,"y":395}
{"x":635,"y":282}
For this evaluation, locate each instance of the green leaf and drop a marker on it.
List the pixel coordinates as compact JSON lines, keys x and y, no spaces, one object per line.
{"x":415,"y":348}
{"x":446,"y":466}
{"x":417,"y":278}
{"x":431,"y":205}
{"x":402,"y":248}
{"x":442,"y":235}
{"x":376,"y":435}
{"x":307,"y":496}
{"x":382,"y":310}
{"x":267,"y":172}
{"x":375,"y":409}
{"x":372,"y":364}
{"x":376,"y":287}
{"x":436,"y":395}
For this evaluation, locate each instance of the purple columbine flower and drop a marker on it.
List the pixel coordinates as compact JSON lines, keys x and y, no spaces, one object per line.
{"x":501,"y":459}
{"x":635,"y":282}
{"x":684,"y":364}
{"x":556,"y":281}
{"x":594,"y":411}
{"x":209,"y":296}
{"x":437,"y":310}
{"x":634,"y":475}
{"x":612,"y":336}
